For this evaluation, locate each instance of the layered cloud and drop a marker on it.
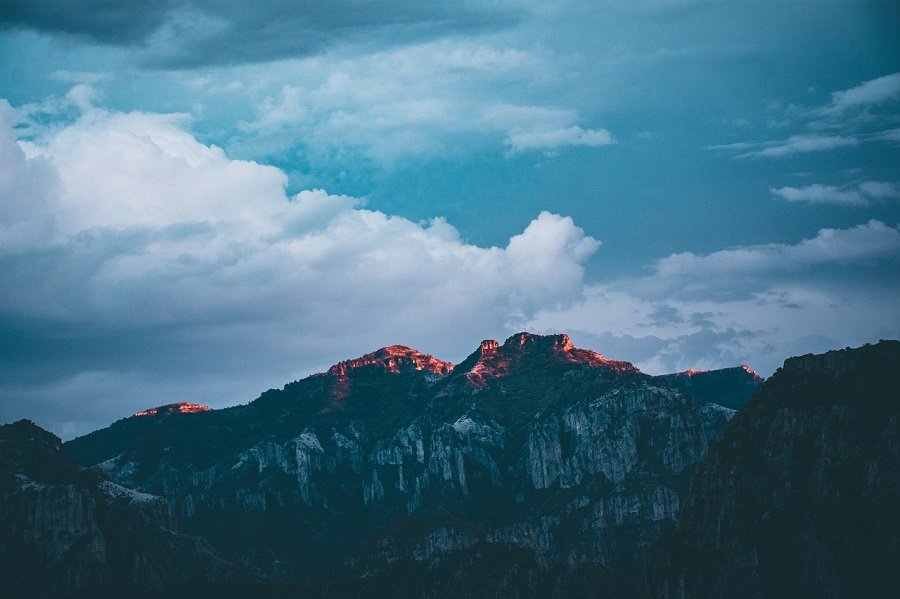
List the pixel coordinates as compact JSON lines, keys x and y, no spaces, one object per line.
{"x":436,"y":99}
{"x":858,"y":195}
{"x":859,"y":115}
{"x":870,"y":93}
{"x":197,"y":33}
{"x":124,"y":235}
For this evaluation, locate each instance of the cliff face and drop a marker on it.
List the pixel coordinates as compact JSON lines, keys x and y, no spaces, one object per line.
{"x":532,"y":467}
{"x":800,"y":497}
{"x":65,"y":531}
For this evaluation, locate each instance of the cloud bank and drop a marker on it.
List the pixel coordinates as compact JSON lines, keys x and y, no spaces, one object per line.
{"x":427,"y":101}
{"x":754,"y":304}
{"x":197,"y":33}
{"x":859,"y":115}
{"x":122,"y":234}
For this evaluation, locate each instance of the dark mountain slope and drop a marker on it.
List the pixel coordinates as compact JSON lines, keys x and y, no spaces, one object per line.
{"x":800,"y":499}
{"x":68,"y":532}
{"x":729,"y":387}
{"x":532,"y":467}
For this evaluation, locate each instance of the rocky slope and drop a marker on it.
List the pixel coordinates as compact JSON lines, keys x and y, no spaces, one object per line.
{"x":67,"y":532}
{"x":730,"y":387}
{"x":800,"y":498}
{"x":532,"y":468}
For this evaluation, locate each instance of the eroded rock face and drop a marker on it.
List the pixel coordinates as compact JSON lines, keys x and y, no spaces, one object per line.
{"x":394,"y":473}
{"x":68,"y":532}
{"x":800,"y":497}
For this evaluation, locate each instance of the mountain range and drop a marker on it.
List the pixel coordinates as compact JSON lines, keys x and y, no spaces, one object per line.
{"x":531,"y":469}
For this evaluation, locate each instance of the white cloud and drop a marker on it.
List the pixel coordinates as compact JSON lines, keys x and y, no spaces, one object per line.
{"x":880,"y":190}
{"x":429,"y":99}
{"x":121,"y":170}
{"x":861,"y":195}
{"x":875,"y":91}
{"x":854,"y":116}
{"x":194,"y":257}
{"x":821,"y":194}
{"x":552,"y":139}
{"x":873,"y":240}
{"x":25,"y":187}
{"x":801,"y":144}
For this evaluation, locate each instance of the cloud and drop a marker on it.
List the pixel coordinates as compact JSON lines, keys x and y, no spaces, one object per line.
{"x":433,"y":99}
{"x":853,"y":117}
{"x":26,"y":186}
{"x":802,"y":144}
{"x":880,"y":190}
{"x":821,"y":194}
{"x":842,"y":196}
{"x":115,"y":24}
{"x":889,"y":135}
{"x":139,"y":169}
{"x":189,"y":34}
{"x":164,"y":255}
{"x":875,"y":91}
{"x":755,"y":304}
{"x":545,"y":128}
{"x":552,"y":139}
{"x":871,"y":241}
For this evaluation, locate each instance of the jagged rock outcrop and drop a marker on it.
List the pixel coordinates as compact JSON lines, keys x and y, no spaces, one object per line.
{"x":68,"y":532}
{"x":399,"y":472}
{"x":525,"y":352}
{"x":800,"y":497}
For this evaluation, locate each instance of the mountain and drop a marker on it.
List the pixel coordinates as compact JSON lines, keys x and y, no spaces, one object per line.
{"x":69,"y":532}
{"x":800,"y":497}
{"x":533,"y":468}
{"x":729,"y":387}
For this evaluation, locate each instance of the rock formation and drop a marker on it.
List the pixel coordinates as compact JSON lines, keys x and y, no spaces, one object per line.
{"x":69,"y":532}
{"x":800,"y":498}
{"x":532,"y":468}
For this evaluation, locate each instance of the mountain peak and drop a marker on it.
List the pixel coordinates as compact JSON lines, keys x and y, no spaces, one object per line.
{"x":836,"y":362}
{"x":393,"y":359}
{"x":26,"y":431}
{"x":526,"y":350}
{"x":182,"y":407}
{"x":751,"y":372}
{"x":741,"y":370}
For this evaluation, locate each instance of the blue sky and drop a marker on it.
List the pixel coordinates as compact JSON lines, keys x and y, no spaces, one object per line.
{"x":201,"y":199}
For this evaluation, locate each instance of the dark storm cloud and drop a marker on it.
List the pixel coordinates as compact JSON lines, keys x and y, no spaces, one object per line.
{"x":104,"y":21}
{"x":185,"y":33}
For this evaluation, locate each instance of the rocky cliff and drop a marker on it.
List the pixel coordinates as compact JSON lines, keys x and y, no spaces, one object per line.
{"x":800,"y":498}
{"x":68,"y":532}
{"x":532,"y":468}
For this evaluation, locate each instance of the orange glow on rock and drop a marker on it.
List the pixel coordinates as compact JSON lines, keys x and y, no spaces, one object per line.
{"x":495,"y":360}
{"x":184,"y":407}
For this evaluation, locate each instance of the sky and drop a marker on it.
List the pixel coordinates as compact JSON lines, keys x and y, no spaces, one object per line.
{"x":204,"y":199}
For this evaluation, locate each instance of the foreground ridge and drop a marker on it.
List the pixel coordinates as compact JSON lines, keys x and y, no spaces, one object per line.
{"x":70,"y":532}
{"x":800,"y":496}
